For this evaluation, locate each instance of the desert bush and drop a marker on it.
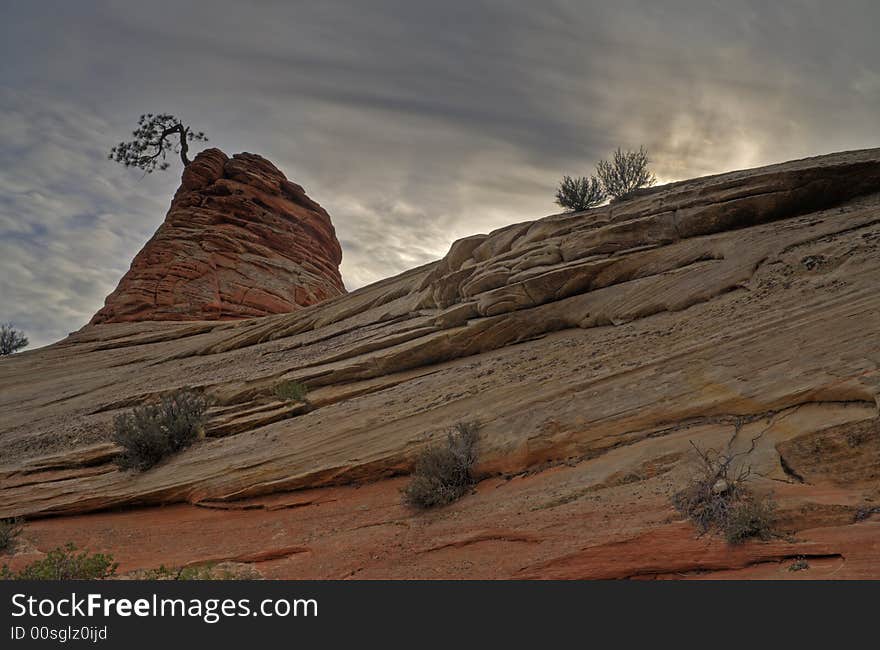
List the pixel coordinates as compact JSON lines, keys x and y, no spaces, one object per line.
{"x":149,"y":433}
{"x":210,"y":571}
{"x":749,"y":518}
{"x":222,"y":571}
{"x":10,"y":529}
{"x":865,"y":512}
{"x":718,"y":499}
{"x":11,"y":340}
{"x":578,"y":194}
{"x":64,"y":563}
{"x":625,"y":172}
{"x":291,"y":391}
{"x":442,"y":472}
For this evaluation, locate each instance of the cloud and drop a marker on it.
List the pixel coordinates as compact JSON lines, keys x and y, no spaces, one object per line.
{"x":412,"y":123}
{"x":69,"y":222}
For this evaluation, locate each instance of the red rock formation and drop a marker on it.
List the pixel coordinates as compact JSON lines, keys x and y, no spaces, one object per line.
{"x":736,"y":312}
{"x":240,"y":240}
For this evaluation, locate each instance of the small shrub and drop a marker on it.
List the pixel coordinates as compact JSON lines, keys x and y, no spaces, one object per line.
{"x":858,"y":437}
{"x":222,"y":571}
{"x":63,"y":563}
{"x":627,"y":171}
{"x":750,"y":518}
{"x":578,"y":194}
{"x":162,"y":573}
{"x":11,"y":340}
{"x":10,"y":529}
{"x":800,"y":564}
{"x":442,"y":472}
{"x":865,"y":512}
{"x":718,"y":499}
{"x":291,"y":391}
{"x":151,"y":432}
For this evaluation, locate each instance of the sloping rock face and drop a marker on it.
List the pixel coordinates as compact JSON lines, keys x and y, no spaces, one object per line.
{"x":738,"y":312}
{"x":240,"y":240}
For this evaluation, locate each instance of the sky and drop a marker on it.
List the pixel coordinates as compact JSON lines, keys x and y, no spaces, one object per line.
{"x":413,"y":123}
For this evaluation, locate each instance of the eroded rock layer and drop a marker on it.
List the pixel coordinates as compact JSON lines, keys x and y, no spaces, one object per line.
{"x":737,"y":312}
{"x":240,"y":240}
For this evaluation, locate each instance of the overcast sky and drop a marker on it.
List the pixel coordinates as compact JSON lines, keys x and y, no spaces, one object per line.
{"x":413,"y":123}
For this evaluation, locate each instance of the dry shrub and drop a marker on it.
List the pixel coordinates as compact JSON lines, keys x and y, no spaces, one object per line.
{"x":442,"y":472}
{"x":750,"y":518}
{"x":718,"y":499}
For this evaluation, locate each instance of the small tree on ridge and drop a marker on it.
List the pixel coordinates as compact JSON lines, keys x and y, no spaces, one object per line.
{"x":155,"y":137}
{"x":578,"y":194}
{"x":627,"y":171}
{"x":11,"y":340}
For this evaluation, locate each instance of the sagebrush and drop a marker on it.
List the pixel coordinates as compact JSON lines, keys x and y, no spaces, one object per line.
{"x":442,"y":472}
{"x":625,"y":172}
{"x":749,"y":518}
{"x":578,"y":194}
{"x":149,"y":433}
{"x":210,"y":571}
{"x":291,"y":391}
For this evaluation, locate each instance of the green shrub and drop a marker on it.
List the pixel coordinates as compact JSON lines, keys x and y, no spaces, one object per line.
{"x":578,"y":194}
{"x":222,"y":571}
{"x":63,"y":563}
{"x":442,"y":472}
{"x":718,"y":499}
{"x":625,"y":172}
{"x":162,"y":573}
{"x":291,"y":391}
{"x":9,"y":531}
{"x":149,"y":433}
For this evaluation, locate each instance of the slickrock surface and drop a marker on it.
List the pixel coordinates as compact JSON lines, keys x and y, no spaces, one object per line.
{"x":240,"y":240}
{"x":592,"y":347}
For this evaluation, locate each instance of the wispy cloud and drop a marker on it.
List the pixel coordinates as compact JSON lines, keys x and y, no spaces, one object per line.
{"x":69,"y":223}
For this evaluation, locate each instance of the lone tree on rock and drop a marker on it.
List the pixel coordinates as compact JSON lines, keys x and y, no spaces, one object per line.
{"x":11,"y":340}
{"x":155,"y":136}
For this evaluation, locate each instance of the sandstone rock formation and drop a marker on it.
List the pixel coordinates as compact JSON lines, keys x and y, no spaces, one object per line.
{"x":732,"y":310}
{"x":240,"y":240}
